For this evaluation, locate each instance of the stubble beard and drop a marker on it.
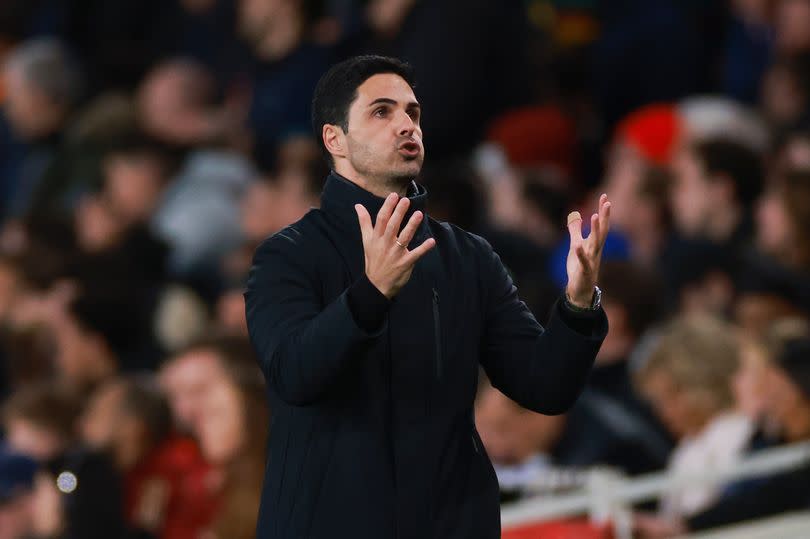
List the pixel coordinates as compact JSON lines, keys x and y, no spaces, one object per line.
{"x":395,"y":178}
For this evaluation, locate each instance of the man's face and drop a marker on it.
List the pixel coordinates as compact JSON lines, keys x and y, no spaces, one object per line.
{"x":384,"y":140}
{"x":187,"y":379}
{"x":691,"y":200}
{"x":27,"y":110}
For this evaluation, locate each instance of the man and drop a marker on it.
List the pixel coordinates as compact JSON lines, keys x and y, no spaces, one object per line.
{"x":370,"y":335}
{"x":43,"y":87}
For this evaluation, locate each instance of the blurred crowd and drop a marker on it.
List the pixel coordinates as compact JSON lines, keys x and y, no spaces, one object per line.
{"x":148,"y":146}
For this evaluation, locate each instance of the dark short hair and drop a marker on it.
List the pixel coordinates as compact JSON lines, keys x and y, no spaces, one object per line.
{"x":337,"y":90}
{"x":47,"y":405}
{"x":740,"y":163}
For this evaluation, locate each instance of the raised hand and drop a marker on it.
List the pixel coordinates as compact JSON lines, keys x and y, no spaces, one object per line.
{"x":585,"y":254}
{"x":389,"y":263}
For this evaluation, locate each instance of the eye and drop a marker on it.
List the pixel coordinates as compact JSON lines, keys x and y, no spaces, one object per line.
{"x":414,"y":114}
{"x":381,"y":112}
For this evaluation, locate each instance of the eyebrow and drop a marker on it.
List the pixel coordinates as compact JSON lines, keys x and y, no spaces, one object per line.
{"x":389,"y":101}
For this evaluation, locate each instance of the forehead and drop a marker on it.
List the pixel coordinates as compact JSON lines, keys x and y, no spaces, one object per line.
{"x":384,"y":85}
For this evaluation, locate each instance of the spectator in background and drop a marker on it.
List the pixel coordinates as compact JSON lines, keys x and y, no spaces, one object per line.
{"x":232,"y":431}
{"x":198,"y":216}
{"x":186,"y":378}
{"x":287,"y":65}
{"x":715,"y":184}
{"x":787,"y":404}
{"x":791,"y":20}
{"x":163,"y":475}
{"x":610,"y":424}
{"x":518,"y":441}
{"x":783,"y":221}
{"x":43,"y":86}
{"x":178,"y":105}
{"x":40,"y":422}
{"x":88,"y":335}
{"x":463,"y":65}
{"x":773,"y":281}
{"x":786,"y":94}
{"x":687,"y":378}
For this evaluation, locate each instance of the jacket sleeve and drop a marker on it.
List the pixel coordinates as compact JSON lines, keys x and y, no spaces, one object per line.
{"x":302,"y":344}
{"x":543,"y":370}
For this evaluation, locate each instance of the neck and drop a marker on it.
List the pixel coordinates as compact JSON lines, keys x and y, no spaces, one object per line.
{"x":381,"y":187}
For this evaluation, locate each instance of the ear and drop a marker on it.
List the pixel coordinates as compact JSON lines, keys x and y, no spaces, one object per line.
{"x":334,"y":140}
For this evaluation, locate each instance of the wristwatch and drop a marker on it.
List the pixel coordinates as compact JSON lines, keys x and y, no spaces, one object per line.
{"x":596,"y":301}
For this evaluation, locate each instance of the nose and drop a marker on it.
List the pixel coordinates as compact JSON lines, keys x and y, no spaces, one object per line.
{"x":406,"y":125}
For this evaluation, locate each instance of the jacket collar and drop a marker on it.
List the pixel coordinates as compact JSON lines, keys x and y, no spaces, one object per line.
{"x":340,"y":195}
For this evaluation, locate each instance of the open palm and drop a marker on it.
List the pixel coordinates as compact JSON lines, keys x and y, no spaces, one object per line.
{"x":585,"y":254}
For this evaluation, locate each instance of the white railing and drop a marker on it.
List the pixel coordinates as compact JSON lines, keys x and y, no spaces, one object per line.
{"x":607,"y":496}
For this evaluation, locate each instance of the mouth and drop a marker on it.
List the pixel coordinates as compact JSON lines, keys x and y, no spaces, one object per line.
{"x":409,"y":149}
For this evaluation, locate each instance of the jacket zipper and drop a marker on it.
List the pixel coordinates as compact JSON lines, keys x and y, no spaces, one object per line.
{"x":437,"y":333}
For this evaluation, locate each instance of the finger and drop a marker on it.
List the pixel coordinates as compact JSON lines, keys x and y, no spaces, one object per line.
{"x":365,"y":222}
{"x":419,"y":252}
{"x":593,"y":235}
{"x":392,"y":229}
{"x":410,"y":229}
{"x":583,"y":259}
{"x":575,"y":227}
{"x":604,"y":222}
{"x":385,"y":213}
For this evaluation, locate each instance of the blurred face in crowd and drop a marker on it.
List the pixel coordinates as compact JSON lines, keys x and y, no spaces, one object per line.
{"x":754,"y":312}
{"x":187,"y":379}
{"x":622,"y":183}
{"x":33,"y":440}
{"x":774,"y":229}
{"x":749,"y":383}
{"x":786,"y":403}
{"x":82,"y":358}
{"x":383,"y":144}
{"x":511,"y":434}
{"x":256,"y":15}
{"x":693,"y":198}
{"x":172,"y":103}
{"x":782,"y":98}
{"x":133,"y":184}
{"x":222,"y":424}
{"x":97,"y":224}
{"x":30,"y":113}
{"x":792,"y":20}
{"x":267,"y":207}
{"x":231,"y":313}
{"x":106,"y":426}
{"x":684,"y":412}
{"x":258,"y":215}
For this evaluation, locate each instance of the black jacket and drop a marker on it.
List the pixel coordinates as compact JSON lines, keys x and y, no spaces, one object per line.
{"x":372,"y":433}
